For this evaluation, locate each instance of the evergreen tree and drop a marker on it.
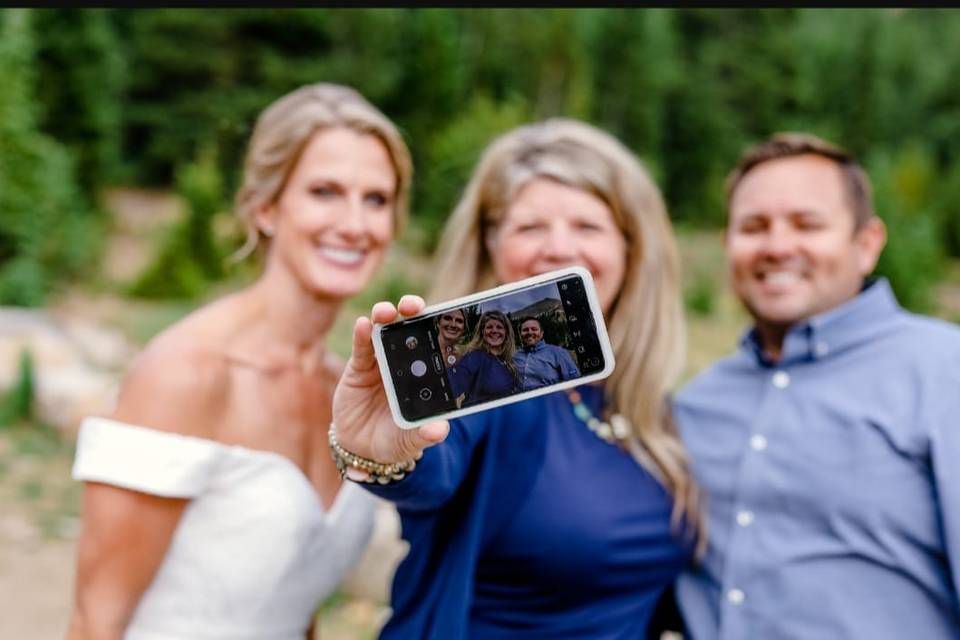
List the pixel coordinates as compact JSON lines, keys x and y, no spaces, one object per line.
{"x":45,"y":232}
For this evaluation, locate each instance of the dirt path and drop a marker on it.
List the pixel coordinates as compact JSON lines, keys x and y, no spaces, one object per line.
{"x":37,"y":582}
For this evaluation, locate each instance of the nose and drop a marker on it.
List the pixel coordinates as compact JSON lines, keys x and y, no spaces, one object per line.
{"x":352,"y":222}
{"x":779,"y":241}
{"x":559,"y":243}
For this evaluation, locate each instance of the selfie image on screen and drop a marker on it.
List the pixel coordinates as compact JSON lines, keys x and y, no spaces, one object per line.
{"x":492,"y":349}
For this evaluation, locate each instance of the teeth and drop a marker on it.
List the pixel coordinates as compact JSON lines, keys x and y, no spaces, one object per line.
{"x":343,"y":256}
{"x":781,"y":277}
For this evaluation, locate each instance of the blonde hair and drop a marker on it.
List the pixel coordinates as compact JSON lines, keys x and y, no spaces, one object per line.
{"x":509,"y":342}
{"x":645,"y":321}
{"x":281,"y":133}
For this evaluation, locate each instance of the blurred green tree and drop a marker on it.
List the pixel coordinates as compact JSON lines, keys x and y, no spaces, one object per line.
{"x":81,"y":82}
{"x":189,"y":260}
{"x":46,"y":232}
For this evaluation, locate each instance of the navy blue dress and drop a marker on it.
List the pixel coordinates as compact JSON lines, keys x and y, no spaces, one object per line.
{"x":524,"y":524}
{"x":481,"y":376}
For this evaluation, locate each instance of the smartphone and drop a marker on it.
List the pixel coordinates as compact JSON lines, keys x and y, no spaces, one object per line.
{"x":491,"y":348}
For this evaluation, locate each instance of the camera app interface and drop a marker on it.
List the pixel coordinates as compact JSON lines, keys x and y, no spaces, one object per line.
{"x":494,"y":348}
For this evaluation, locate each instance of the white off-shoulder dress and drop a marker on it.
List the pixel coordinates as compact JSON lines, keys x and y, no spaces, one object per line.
{"x":255,"y":551}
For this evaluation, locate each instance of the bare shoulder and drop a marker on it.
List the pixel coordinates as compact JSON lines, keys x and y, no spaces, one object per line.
{"x":179,"y":382}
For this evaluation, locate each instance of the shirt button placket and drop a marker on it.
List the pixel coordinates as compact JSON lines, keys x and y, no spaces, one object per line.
{"x":736,"y":596}
{"x":781,"y":379}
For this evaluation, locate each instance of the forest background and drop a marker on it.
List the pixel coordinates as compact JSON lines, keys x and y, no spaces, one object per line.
{"x":107,"y":109}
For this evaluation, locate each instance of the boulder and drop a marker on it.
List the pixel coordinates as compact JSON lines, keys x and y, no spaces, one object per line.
{"x":76,"y":365}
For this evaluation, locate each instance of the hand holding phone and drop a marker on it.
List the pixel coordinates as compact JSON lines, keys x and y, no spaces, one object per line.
{"x":503,"y":345}
{"x":361,"y":412}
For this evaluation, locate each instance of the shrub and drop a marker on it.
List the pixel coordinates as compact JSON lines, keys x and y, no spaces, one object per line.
{"x":17,"y":404}
{"x":46,"y":230}
{"x":189,"y":258}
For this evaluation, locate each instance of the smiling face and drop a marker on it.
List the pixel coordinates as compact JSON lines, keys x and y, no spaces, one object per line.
{"x":791,"y":245}
{"x":550,"y":225}
{"x":494,"y":333}
{"x":530,"y":333}
{"x":333,"y":221}
{"x":452,"y":325}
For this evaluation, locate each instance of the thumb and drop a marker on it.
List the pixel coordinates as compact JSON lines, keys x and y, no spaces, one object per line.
{"x":413,"y":441}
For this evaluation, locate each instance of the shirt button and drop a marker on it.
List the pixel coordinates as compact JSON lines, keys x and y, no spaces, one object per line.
{"x":744,"y":518}
{"x":821,"y":349}
{"x":758,"y":442}
{"x":781,"y":379}
{"x":736,"y":596}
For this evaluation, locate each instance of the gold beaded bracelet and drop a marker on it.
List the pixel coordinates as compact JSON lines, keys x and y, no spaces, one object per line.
{"x":359,"y":469}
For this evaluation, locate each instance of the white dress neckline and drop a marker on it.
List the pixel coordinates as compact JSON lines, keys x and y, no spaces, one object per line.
{"x":255,"y":550}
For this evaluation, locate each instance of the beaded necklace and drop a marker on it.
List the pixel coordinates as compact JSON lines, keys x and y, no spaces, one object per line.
{"x":613,"y":432}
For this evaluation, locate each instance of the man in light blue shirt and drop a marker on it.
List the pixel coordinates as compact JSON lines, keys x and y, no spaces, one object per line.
{"x":828,"y":446}
{"x":539,"y":363}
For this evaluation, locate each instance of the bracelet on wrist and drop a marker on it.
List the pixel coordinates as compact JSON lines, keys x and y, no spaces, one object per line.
{"x":360,"y":469}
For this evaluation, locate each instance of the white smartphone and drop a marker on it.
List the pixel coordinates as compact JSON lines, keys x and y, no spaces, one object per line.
{"x":491,"y":348}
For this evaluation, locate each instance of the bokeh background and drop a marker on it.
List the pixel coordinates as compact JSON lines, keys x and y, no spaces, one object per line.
{"x":122,"y":134}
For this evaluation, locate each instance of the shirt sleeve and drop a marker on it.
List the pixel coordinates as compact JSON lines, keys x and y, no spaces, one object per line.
{"x":945,"y":454}
{"x":461,"y":375}
{"x":441,"y":471}
{"x":148,"y":460}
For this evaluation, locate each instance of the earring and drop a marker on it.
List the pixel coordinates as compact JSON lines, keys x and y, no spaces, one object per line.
{"x":267,"y":231}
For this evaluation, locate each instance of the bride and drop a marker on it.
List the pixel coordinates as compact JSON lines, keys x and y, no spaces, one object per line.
{"x":212,"y":507}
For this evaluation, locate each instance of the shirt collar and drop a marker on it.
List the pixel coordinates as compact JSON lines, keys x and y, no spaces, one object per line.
{"x":847,"y":325}
{"x":536,"y":347}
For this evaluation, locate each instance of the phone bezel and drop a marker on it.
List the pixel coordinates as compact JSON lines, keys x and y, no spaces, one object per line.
{"x":544,"y":278}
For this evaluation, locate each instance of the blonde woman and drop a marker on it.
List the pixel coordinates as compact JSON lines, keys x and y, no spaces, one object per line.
{"x":450,"y":329}
{"x":486,"y":370}
{"x":212,"y":508}
{"x":567,"y":515}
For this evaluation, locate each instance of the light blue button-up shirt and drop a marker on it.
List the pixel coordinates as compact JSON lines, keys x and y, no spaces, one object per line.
{"x":832,"y":480}
{"x":544,"y":364}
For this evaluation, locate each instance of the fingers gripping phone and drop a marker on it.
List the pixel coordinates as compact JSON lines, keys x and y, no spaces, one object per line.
{"x":494,"y":347}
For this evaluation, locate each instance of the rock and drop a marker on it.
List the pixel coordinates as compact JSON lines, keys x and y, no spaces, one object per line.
{"x":76,"y":365}
{"x":64,"y":396}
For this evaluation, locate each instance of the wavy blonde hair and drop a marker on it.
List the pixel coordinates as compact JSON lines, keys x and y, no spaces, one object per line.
{"x":645,"y":321}
{"x":281,"y":133}
{"x":509,"y":342}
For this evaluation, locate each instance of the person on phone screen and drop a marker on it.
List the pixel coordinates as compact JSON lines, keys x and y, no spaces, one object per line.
{"x":539,"y":363}
{"x":570,"y":514}
{"x":212,"y":507}
{"x":486,"y":370}
{"x":450,"y":329}
{"x":828,"y":443}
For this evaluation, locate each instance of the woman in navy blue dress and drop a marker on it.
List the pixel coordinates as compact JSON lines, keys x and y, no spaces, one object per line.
{"x":486,"y":370}
{"x":567,"y":515}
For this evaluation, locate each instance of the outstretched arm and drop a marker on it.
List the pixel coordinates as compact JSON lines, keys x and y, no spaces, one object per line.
{"x":364,"y":424}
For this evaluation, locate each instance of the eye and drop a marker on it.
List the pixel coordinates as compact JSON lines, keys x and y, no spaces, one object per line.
{"x":808,"y":223}
{"x":530,"y":227}
{"x":323,"y":191}
{"x":587,"y":225}
{"x":376,"y":199}
{"x":751,"y":225}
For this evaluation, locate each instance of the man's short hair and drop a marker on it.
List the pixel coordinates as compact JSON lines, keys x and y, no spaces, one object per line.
{"x":526,"y":319}
{"x":785,"y":145}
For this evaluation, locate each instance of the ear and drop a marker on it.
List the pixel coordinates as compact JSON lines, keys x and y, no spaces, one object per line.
{"x":265,"y":217}
{"x":870,"y":240}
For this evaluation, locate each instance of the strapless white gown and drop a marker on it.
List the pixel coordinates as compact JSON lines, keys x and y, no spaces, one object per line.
{"x":255,"y":551}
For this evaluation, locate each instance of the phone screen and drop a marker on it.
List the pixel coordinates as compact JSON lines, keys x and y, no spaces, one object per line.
{"x":493,"y":348}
